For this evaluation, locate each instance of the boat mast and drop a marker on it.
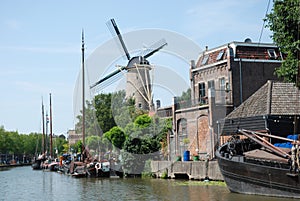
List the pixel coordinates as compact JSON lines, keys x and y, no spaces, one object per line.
{"x":51,"y":152}
{"x":43,"y":122}
{"x":46,"y":134}
{"x":83,"y":93}
{"x":296,"y":121}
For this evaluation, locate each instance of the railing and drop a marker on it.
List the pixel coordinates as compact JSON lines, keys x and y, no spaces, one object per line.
{"x":164,"y":112}
{"x":190,"y":103}
{"x":222,"y":97}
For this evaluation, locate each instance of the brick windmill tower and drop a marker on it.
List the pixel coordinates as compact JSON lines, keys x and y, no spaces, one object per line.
{"x":138,"y":80}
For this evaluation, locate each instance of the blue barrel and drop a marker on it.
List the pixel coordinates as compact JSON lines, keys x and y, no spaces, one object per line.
{"x":186,"y":156}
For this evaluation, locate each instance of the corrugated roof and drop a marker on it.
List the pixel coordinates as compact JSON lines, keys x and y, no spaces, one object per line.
{"x":273,"y":98}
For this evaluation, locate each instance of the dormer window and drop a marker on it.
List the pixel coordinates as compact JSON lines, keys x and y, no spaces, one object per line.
{"x":272,"y":54}
{"x":205,"y":59}
{"x":220,"y":55}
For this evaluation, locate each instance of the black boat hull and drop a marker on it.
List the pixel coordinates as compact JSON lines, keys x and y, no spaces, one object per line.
{"x":259,"y":179}
{"x":37,"y":165}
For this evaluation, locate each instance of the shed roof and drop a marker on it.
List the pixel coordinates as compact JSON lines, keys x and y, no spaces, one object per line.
{"x":273,"y":98}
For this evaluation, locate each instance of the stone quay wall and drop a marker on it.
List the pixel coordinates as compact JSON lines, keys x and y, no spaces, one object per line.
{"x":198,"y":170}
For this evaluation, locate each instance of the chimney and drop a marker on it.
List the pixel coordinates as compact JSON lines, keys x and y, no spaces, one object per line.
{"x":157,"y":104}
{"x":193,"y":64}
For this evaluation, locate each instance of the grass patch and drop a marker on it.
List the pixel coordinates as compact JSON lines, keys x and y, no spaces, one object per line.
{"x":164,"y":175}
{"x":199,"y":183}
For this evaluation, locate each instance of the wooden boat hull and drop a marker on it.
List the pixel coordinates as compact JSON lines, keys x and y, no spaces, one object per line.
{"x":254,"y":178}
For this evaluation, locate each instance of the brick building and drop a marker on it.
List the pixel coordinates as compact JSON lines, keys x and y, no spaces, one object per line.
{"x":221,"y":79}
{"x":73,"y":137}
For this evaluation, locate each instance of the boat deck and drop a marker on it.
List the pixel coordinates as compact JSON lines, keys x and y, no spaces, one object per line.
{"x":265,"y":155}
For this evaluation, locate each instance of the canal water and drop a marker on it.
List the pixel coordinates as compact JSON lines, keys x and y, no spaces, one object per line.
{"x":23,"y":183}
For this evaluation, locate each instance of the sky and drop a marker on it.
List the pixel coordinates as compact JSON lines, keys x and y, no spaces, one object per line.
{"x":40,"y":45}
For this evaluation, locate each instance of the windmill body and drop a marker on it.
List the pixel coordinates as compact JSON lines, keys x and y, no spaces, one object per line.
{"x":138,"y":83}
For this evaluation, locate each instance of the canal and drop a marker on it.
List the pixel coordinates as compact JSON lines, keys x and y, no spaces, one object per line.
{"x":22,"y":183}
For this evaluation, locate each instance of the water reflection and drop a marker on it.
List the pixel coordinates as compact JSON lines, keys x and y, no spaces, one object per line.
{"x":22,"y":183}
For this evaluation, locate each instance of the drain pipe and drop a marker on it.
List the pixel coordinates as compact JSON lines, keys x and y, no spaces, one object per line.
{"x":241,"y":81}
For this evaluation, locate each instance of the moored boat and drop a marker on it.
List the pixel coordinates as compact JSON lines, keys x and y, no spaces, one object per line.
{"x":38,"y":162}
{"x":252,"y":165}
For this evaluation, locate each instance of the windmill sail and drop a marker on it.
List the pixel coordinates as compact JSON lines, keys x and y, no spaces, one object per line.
{"x":155,"y":48}
{"x":138,"y":84}
{"x":112,"y":26}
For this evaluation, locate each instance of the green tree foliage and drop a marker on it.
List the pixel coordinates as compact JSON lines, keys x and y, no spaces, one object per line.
{"x":185,"y":96}
{"x":32,"y":143}
{"x":78,"y":147}
{"x":137,"y":136}
{"x":91,"y":123}
{"x":101,"y":112}
{"x":284,"y":22}
{"x":93,"y":142}
{"x":59,"y":145}
{"x":104,"y":112}
{"x":143,"y":142}
{"x":116,"y":137}
{"x":124,"y":111}
{"x":143,"y":121}
{"x":11,"y":142}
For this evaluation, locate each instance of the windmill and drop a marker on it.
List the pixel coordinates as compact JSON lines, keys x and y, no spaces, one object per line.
{"x":138,"y":82}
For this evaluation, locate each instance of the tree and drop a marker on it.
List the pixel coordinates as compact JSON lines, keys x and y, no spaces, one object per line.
{"x":284,"y":21}
{"x":93,"y":142}
{"x":144,"y":141}
{"x":60,"y":144}
{"x":75,"y":148}
{"x":116,"y":136}
{"x":124,"y":110}
{"x":143,"y":121}
{"x":91,"y":123}
{"x":11,"y":142}
{"x":185,"y":96}
{"x":103,"y":111}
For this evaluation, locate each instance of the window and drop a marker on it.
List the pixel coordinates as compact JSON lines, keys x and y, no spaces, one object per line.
{"x":220,"y":55}
{"x":205,"y":59}
{"x":183,"y":127}
{"x":201,"y":92}
{"x":272,"y":54}
{"x":222,"y":89}
{"x":227,"y":87}
{"x":182,"y":134}
{"x":140,"y":105}
{"x":211,"y":84}
{"x":222,"y":83}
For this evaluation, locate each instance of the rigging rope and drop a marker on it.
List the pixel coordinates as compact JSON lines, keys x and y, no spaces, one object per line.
{"x":264,"y":21}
